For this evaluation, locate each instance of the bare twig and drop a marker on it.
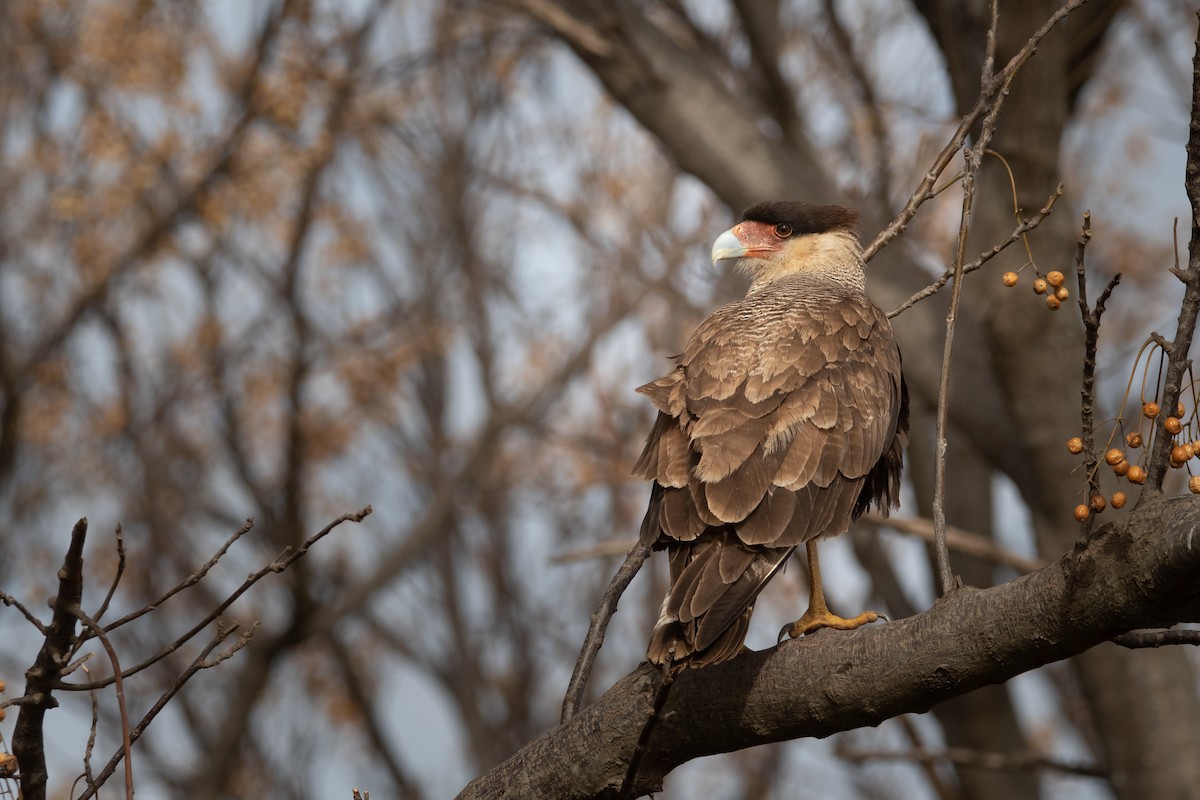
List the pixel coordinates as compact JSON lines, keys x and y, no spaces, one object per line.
{"x":980,"y":759}
{"x":991,"y":95}
{"x":598,"y":625}
{"x":1139,"y":639}
{"x":1177,"y":361}
{"x":1087,"y":390}
{"x":1023,"y":228}
{"x":122,"y":708}
{"x":971,"y":157}
{"x":200,"y":662}
{"x":935,"y":779}
{"x":88,"y":777}
{"x":967,"y":543}
{"x":190,"y":580}
{"x":112,"y":589}
{"x":285,"y":559}
{"x":9,"y":600}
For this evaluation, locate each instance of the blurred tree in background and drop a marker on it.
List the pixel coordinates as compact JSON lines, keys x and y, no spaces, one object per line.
{"x":282,"y":260}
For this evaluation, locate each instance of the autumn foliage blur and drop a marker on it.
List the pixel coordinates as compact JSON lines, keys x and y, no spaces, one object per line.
{"x":281,"y":260}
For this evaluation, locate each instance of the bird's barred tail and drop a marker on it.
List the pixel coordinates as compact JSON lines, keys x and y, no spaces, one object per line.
{"x":706,"y":613}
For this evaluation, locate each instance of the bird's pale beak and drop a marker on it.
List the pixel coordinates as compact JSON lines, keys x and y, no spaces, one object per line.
{"x":728,"y":245}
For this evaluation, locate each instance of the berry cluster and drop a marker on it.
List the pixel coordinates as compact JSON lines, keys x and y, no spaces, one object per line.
{"x":1050,"y":285}
{"x":1182,"y":451}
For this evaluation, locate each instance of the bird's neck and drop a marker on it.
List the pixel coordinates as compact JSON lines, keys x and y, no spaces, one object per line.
{"x":833,"y":257}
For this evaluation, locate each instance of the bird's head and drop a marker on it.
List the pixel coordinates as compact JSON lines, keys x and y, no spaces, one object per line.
{"x":785,"y":237}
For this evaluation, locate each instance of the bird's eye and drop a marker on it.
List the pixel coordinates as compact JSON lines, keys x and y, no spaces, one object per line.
{"x":783,"y":230}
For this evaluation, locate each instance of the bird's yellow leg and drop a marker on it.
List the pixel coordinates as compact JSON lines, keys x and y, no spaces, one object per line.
{"x":818,"y":614}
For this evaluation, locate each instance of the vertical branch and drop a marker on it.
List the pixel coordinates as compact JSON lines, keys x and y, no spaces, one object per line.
{"x":1087,"y":389}
{"x":972,"y":156}
{"x":1177,"y":363}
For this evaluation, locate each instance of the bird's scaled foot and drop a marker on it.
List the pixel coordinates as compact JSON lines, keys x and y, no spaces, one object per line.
{"x":822,"y":618}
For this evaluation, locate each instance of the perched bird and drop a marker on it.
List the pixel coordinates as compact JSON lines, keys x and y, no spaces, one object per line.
{"x":785,"y":419}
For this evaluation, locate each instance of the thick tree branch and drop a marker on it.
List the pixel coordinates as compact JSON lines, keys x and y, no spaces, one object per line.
{"x":1137,"y":572}
{"x":40,"y":679}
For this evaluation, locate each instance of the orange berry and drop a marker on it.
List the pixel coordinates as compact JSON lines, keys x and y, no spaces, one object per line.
{"x":1098,"y":503}
{"x":1133,"y":439}
{"x":1081,"y":513}
{"x":1010,"y":279}
{"x":1118,"y":499}
{"x":1179,"y":455}
{"x":1075,"y":445}
{"x":1053,"y":303}
{"x":1054,"y":278}
{"x":1180,"y":411}
{"x":1194,"y":484}
{"x":1114,"y":456}
{"x":1190,"y":448}
{"x":1150,"y":410}
{"x":1121,"y":469}
{"x":1039,"y":286}
{"x":1173,"y":425}
{"x":1061,"y":293}
{"x":1137,"y":475}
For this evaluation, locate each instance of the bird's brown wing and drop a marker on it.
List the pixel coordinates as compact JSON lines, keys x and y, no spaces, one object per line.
{"x":771,"y":432}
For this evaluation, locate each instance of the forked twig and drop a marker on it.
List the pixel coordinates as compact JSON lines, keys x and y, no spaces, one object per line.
{"x":1087,"y":389}
{"x":991,"y":95}
{"x":1018,"y":232}
{"x":200,"y":662}
{"x":285,"y":559}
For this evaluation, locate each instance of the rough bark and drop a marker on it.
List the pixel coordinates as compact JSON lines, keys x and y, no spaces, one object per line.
{"x":1136,"y":572}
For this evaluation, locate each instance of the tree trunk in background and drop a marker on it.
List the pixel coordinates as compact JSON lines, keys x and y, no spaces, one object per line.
{"x":984,"y":719}
{"x":1143,"y":703}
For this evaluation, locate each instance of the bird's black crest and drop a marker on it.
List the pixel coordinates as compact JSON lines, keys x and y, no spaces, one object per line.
{"x":803,"y":217}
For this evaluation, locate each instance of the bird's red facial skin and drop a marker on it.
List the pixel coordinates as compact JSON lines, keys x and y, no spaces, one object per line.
{"x":759,"y":238}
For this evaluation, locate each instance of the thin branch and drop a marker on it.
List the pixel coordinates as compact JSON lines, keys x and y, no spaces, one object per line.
{"x":1087,"y":389}
{"x":112,"y":589}
{"x":190,"y":580}
{"x":197,"y":664}
{"x":980,"y":759}
{"x":599,"y":624}
{"x":9,"y":600}
{"x":122,"y":708}
{"x":943,"y":791}
{"x":1177,"y":362}
{"x":285,"y":560}
{"x":88,"y":776}
{"x":991,"y":95}
{"x":975,"y":545}
{"x":1018,"y":232}
{"x":972,"y":157}
{"x":968,"y":543}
